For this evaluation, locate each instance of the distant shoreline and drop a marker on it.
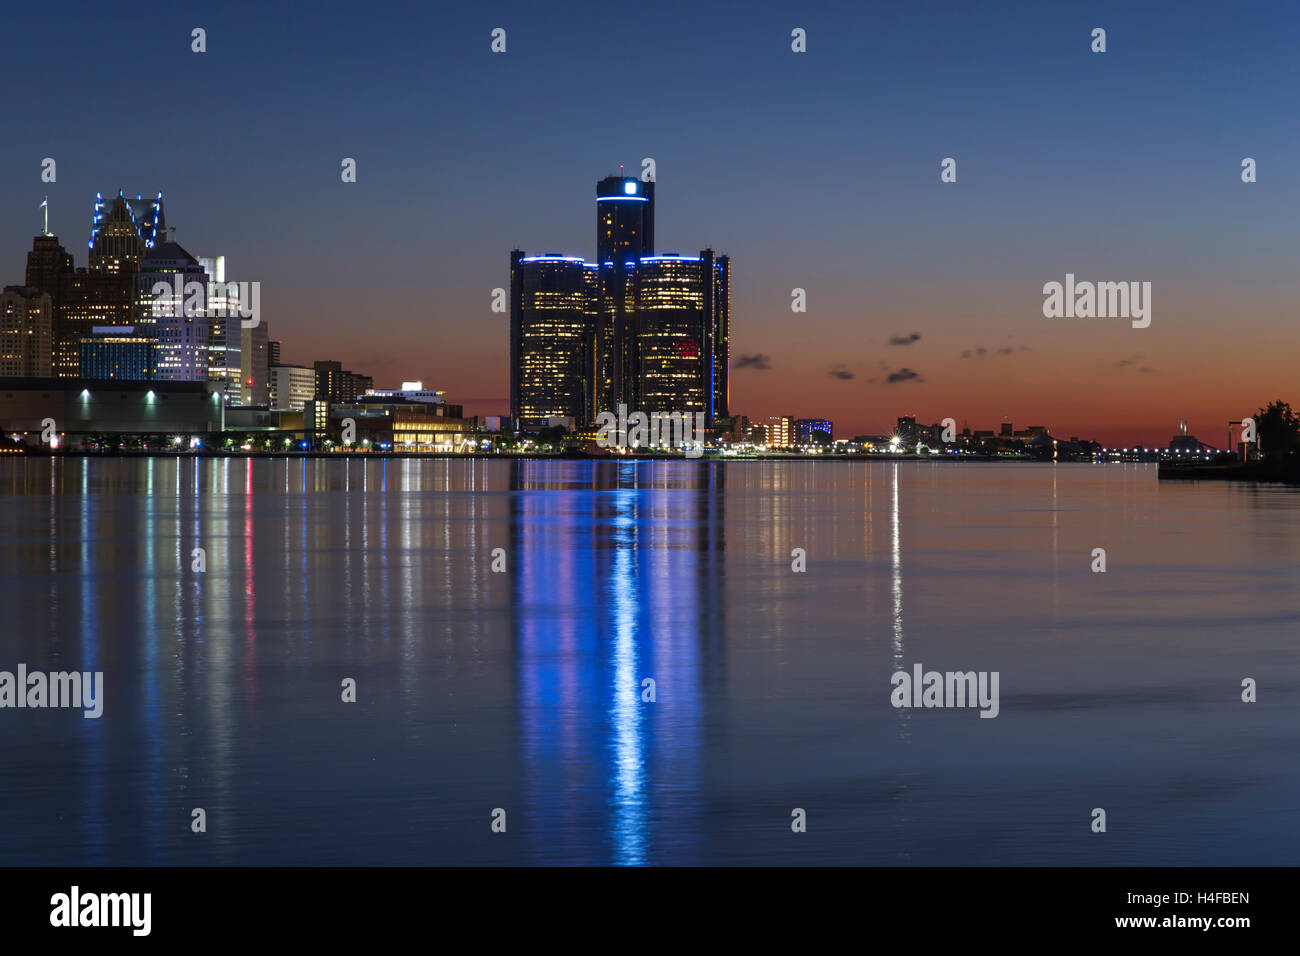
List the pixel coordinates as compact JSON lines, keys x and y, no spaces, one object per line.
{"x":525,"y":456}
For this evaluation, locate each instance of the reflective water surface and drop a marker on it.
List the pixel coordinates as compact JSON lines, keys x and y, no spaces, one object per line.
{"x":523,"y":689}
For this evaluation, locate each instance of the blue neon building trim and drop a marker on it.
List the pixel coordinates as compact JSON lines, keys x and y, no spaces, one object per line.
{"x":622,"y":199}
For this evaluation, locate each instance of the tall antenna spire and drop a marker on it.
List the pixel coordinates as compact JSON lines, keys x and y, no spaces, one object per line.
{"x":45,"y":204}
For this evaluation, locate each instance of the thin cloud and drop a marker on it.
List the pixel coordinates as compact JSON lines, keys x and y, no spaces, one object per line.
{"x":1133,"y":361}
{"x":841,"y":373}
{"x":757,"y":361}
{"x":903,"y":375}
{"x":1004,"y":350}
{"x":905,"y":339}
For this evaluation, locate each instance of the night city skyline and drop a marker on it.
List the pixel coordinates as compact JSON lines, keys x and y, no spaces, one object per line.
{"x":681,"y":436}
{"x":923,"y":297}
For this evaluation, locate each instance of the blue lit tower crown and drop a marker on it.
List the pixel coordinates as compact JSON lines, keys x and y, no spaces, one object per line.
{"x":123,"y":231}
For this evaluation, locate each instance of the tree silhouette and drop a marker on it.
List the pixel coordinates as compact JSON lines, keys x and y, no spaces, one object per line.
{"x":1278,"y":430}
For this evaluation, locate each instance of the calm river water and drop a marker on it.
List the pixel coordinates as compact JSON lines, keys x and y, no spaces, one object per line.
{"x":521,"y":689}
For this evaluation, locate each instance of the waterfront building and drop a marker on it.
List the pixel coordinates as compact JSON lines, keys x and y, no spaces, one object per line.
{"x":804,"y":428}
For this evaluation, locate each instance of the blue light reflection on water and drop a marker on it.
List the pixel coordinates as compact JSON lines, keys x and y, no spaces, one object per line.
{"x":524,"y":689}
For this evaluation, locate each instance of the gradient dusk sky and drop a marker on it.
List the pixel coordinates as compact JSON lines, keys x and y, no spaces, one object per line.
{"x":817,"y":170}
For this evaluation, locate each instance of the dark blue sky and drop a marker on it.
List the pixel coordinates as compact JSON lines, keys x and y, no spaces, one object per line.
{"x":818,"y":170}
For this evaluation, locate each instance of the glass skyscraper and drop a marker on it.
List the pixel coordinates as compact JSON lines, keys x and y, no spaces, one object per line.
{"x":552,"y":301}
{"x":647,"y":331}
{"x":682,"y":312}
{"x":172,"y":306}
{"x":625,"y":232}
{"x":625,"y":219}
